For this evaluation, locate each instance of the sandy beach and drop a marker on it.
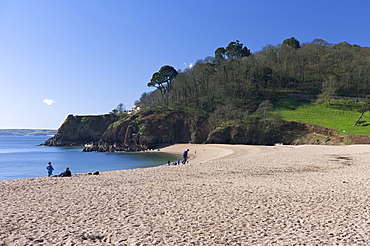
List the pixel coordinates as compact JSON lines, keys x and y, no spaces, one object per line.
{"x":225,"y":195}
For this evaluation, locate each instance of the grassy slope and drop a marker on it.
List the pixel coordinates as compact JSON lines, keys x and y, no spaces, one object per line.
{"x":339,"y":115}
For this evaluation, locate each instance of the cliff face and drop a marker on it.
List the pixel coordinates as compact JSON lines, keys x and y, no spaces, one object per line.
{"x":144,"y":130}
{"x":155,"y":128}
{"x":298,"y":133}
{"x":147,"y":130}
{"x":285,"y":132}
{"x":81,"y":130}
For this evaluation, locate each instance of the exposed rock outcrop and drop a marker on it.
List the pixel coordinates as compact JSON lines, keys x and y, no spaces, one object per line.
{"x":81,"y":130}
{"x":298,"y":133}
{"x":144,"y":130}
{"x":160,"y":127}
{"x":285,"y":132}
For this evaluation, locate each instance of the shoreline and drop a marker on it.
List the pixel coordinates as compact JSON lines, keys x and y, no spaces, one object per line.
{"x":226,"y":194}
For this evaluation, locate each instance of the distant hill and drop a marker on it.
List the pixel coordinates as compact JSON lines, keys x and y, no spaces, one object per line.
{"x":28,"y":132}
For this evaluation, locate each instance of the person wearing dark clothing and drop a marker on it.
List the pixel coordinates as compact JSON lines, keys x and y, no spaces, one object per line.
{"x":66,"y":173}
{"x":185,"y":156}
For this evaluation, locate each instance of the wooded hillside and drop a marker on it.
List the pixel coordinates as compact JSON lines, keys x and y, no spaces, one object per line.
{"x":233,"y":97}
{"x":237,"y":78}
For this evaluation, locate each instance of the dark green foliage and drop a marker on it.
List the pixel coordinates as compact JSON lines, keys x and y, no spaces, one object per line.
{"x":163,"y":79}
{"x":231,"y":87}
{"x":233,"y":50}
{"x":220,"y":54}
{"x":252,"y":130}
{"x":236,"y":50}
{"x":292,"y":42}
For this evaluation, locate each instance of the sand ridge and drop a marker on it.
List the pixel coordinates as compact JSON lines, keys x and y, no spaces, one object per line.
{"x":225,"y":195}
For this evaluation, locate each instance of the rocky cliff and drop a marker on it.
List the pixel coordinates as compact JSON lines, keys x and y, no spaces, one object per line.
{"x":141,"y":131}
{"x":145,"y":130}
{"x":156,"y":128}
{"x":81,"y":130}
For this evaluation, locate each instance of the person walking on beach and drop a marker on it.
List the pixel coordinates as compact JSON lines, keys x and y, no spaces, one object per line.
{"x":185,"y":156}
{"x":50,"y":169}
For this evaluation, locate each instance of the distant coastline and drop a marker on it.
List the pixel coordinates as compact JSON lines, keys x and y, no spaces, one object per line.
{"x":27,"y":132}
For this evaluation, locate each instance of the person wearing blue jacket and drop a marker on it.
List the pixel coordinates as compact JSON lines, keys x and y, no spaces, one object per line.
{"x":50,"y":169}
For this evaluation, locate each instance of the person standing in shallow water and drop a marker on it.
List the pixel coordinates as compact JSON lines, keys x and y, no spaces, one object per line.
{"x":50,"y":169}
{"x":185,"y":156}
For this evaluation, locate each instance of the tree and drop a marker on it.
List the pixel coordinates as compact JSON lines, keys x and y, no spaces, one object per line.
{"x":150,"y":99}
{"x":163,"y":79}
{"x":119,"y":110}
{"x":233,"y":50}
{"x":292,"y":42}
{"x":264,"y":110}
{"x":319,"y":41}
{"x":220,"y":54}
{"x":236,"y":50}
{"x":364,"y":109}
{"x":329,"y":88}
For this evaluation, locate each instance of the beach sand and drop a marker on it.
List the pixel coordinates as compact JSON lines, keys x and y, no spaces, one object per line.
{"x":225,"y":195}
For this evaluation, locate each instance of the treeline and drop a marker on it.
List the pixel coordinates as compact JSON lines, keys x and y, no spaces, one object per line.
{"x":236,"y":77}
{"x":237,"y":88}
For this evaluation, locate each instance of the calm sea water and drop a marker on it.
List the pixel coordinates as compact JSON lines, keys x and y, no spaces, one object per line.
{"x":21,"y":157}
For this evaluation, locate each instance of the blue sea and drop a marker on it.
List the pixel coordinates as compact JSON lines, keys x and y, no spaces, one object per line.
{"x":21,"y":157}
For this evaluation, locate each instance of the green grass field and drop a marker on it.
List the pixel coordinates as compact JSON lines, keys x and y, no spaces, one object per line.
{"x":340,"y":115}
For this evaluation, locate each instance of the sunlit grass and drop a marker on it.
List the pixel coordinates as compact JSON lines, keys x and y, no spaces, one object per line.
{"x":340,"y":115}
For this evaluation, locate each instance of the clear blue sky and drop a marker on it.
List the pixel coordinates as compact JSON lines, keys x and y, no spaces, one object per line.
{"x":87,"y":56}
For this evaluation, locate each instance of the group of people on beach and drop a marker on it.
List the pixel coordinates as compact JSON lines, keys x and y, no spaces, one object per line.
{"x":66,"y":173}
{"x":185,"y":160}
